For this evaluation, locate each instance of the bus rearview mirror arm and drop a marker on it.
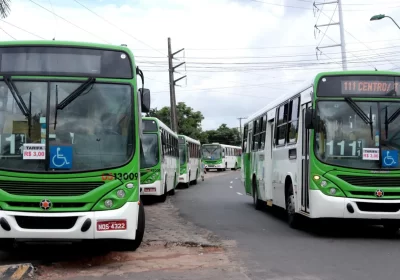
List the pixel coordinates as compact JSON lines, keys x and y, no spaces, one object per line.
{"x":309,"y":119}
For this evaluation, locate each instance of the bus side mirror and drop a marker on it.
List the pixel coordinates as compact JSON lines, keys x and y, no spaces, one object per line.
{"x":163,"y":140}
{"x":309,"y":120}
{"x":145,"y":97}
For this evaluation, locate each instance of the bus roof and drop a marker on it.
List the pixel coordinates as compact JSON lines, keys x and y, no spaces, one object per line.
{"x":188,"y":139}
{"x":272,"y":105}
{"x":54,"y":43}
{"x":223,"y":145}
{"x":161,"y":124}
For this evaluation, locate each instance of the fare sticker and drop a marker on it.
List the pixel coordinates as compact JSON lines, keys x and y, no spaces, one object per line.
{"x":370,"y":154}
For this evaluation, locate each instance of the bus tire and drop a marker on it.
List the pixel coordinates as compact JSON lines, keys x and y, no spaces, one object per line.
{"x":235,"y":166}
{"x":256,"y":201}
{"x":132,"y":245}
{"x":292,"y":216}
{"x":172,"y":192}
{"x":163,"y":197}
{"x":195,"y":180}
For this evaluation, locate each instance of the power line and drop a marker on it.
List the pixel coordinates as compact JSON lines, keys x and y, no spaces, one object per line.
{"x":70,"y":22}
{"x":23,"y":29}
{"x":304,"y":8}
{"x":7,"y":33}
{"x":130,"y":35}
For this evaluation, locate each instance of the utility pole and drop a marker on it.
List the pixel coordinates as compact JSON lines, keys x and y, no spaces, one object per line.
{"x":240,"y":124}
{"x":172,"y":83}
{"x":341,"y":29}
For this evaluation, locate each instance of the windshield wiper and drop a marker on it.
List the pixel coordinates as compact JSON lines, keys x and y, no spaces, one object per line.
{"x":361,"y":113}
{"x":67,"y":100}
{"x":391,"y":119}
{"x":17,"y":97}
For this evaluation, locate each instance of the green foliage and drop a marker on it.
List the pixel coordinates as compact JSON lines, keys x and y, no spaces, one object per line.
{"x":189,"y":124}
{"x":4,"y":8}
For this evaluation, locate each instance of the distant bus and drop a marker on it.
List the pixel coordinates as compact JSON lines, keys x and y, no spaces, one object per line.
{"x":189,"y":155}
{"x":159,"y":166}
{"x":70,"y":118}
{"x":329,"y":150}
{"x":221,"y":156}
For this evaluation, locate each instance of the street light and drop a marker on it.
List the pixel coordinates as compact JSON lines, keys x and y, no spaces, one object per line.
{"x":381,"y":16}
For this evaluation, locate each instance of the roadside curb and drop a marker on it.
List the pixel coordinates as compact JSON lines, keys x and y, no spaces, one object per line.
{"x":16,"y":271}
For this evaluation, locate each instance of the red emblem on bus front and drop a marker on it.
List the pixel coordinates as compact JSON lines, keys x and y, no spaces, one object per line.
{"x":378,"y":193}
{"x":45,"y":204}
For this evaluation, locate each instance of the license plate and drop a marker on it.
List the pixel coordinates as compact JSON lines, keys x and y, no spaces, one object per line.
{"x":111,"y":225}
{"x":211,"y":166}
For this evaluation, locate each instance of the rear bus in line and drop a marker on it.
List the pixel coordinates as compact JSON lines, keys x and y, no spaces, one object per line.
{"x":189,"y":155}
{"x":159,"y":165}
{"x":221,"y":156}
{"x":330,"y":150}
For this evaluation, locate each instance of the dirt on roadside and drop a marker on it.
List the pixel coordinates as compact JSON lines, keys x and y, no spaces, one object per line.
{"x":170,"y":244}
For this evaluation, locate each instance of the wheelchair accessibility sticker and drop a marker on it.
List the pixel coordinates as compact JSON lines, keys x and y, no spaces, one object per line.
{"x":390,"y":158}
{"x":61,"y":157}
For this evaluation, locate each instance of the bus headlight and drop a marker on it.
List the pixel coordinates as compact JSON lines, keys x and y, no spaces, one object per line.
{"x":326,"y":186}
{"x":121,"y":193}
{"x":116,"y":198}
{"x":108,"y":203}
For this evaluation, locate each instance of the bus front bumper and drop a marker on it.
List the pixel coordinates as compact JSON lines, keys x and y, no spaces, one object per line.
{"x":211,"y":166}
{"x":151,"y":189}
{"x":71,"y":225}
{"x":323,"y":206}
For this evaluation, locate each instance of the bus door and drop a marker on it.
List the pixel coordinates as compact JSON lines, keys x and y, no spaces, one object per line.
{"x":305,"y":162}
{"x":268,"y":159}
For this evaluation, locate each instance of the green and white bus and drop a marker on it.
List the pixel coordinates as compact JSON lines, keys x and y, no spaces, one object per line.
{"x":160,"y":163}
{"x":221,"y":156}
{"x":70,"y":121}
{"x":330,"y":150}
{"x":189,"y":155}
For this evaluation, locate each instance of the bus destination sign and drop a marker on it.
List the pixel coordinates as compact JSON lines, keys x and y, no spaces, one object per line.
{"x":369,"y":87}
{"x":378,"y":86}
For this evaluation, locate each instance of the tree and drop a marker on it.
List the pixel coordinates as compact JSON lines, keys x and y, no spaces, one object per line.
{"x":5,"y":8}
{"x":189,"y":121}
{"x":224,"y":135}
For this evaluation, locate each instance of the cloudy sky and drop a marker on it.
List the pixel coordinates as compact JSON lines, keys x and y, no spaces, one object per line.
{"x":239,"y":54}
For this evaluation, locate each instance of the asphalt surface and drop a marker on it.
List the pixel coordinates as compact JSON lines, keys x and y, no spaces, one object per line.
{"x":269,"y":249}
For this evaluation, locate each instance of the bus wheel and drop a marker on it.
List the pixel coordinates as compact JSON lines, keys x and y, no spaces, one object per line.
{"x":163,"y":197}
{"x":256,"y":200}
{"x":132,"y":245}
{"x":195,"y":180}
{"x":172,"y":192}
{"x":235,"y":166}
{"x":293,"y":217}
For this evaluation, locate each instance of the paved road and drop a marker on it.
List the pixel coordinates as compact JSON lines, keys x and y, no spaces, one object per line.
{"x":272,"y":250}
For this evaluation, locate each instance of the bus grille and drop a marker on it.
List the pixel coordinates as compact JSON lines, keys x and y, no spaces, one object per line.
{"x":48,"y":188}
{"x":370,"y":181}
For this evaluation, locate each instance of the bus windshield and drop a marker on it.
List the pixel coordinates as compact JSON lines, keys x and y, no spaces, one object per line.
{"x":182,"y":153}
{"x":345,"y":139}
{"x":93,"y":132}
{"x":150,"y":151}
{"x":211,"y":152}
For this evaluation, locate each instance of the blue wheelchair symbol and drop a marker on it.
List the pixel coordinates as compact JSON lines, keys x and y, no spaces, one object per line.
{"x":390,"y":159}
{"x":61,"y":157}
